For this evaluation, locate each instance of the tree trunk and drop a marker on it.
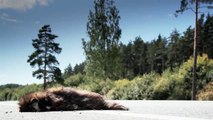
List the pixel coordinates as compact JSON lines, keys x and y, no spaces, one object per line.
{"x":194,"y":80}
{"x":45,"y":65}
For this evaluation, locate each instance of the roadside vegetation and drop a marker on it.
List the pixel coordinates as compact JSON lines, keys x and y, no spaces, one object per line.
{"x":158,"y":69}
{"x":170,"y":85}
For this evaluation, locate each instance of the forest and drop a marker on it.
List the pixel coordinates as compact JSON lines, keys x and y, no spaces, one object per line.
{"x":159,"y":69}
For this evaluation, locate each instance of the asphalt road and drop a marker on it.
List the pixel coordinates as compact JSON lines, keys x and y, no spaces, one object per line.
{"x":139,"y":110}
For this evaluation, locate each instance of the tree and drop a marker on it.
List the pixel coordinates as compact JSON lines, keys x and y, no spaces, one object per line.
{"x":68,"y":71}
{"x":150,"y":55}
{"x":102,"y":51}
{"x":185,"y":5}
{"x":57,"y":75}
{"x":156,"y":55}
{"x":173,"y":53}
{"x":139,"y":50}
{"x":128,"y":59}
{"x":79,"y":68}
{"x":43,"y":56}
{"x":160,"y":54}
{"x":201,"y":41}
{"x":186,"y":44}
{"x":208,"y":36}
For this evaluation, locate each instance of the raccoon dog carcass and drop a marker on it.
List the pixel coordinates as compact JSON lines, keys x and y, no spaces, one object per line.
{"x":65,"y":99}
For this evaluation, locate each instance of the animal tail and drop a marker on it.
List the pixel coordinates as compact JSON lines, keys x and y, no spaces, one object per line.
{"x":116,"y":106}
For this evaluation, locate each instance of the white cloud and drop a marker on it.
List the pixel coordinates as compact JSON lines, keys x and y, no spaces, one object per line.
{"x":22,"y":4}
{"x":5,"y":15}
{"x":6,"y":18}
{"x":43,"y":2}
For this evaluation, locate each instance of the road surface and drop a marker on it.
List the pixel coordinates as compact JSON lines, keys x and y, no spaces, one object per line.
{"x":139,"y":110}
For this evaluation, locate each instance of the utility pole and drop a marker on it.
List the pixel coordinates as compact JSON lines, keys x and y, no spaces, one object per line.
{"x":194,"y":80}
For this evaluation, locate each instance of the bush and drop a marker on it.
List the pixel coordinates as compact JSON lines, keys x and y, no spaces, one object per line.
{"x":170,"y":85}
{"x":144,"y":86}
{"x":206,"y":93}
{"x":6,"y":94}
{"x":16,"y":92}
{"x":88,"y":83}
{"x":164,"y":87}
{"x":119,"y":91}
{"x":93,"y":85}
{"x":96,"y":85}
{"x":137,"y":89}
{"x":204,"y":70}
{"x":27,"y":89}
{"x":75,"y":80}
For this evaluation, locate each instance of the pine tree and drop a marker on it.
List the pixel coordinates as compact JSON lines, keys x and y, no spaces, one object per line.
{"x":160,"y":54}
{"x":156,"y":55}
{"x":201,"y":41}
{"x":128,"y":59}
{"x":68,"y":71}
{"x":150,"y":56}
{"x":79,"y":68}
{"x":43,"y":56}
{"x":187,"y":43}
{"x":173,"y":50}
{"x":185,"y":5}
{"x":208,"y":36}
{"x":139,"y":50}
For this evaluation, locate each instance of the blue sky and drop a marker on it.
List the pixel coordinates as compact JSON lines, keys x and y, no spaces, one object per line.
{"x":20,"y":21}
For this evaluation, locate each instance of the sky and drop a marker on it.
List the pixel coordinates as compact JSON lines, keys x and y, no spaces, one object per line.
{"x":20,"y":21}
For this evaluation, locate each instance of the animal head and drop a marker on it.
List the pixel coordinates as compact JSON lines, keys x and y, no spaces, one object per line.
{"x":34,"y":102}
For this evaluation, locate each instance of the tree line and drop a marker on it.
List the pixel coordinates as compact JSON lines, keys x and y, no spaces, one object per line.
{"x":108,"y":58}
{"x":158,"y":69}
{"x":139,"y":56}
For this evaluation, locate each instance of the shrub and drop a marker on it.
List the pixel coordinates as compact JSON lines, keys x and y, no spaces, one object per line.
{"x":119,"y":91}
{"x":144,"y":86}
{"x":177,"y":84}
{"x":75,"y":80}
{"x":16,"y":92}
{"x":137,"y":89}
{"x":6,"y":94}
{"x":204,"y":68}
{"x":164,"y":87}
{"x":206,"y":93}
{"x":27,"y":89}
{"x":96,"y":85}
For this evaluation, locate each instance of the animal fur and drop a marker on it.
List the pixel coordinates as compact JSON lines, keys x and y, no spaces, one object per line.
{"x":65,"y":99}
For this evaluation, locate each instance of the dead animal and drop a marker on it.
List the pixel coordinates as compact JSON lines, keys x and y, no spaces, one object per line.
{"x":65,"y":99}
